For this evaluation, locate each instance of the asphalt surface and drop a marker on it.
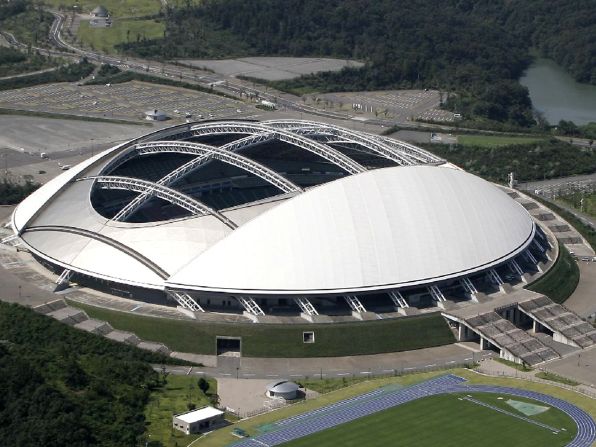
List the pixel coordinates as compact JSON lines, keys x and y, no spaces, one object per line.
{"x":428,"y":359}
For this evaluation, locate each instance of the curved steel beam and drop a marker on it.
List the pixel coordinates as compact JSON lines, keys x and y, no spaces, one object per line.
{"x":205,"y":153}
{"x":328,"y":153}
{"x":106,"y":240}
{"x":415,"y":154}
{"x":157,"y":190}
{"x":209,"y":152}
{"x":376,"y":147}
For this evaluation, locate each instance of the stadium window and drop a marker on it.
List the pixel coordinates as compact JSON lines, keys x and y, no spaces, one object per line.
{"x":308,"y":337}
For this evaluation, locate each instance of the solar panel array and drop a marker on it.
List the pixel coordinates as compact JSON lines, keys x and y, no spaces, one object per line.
{"x":379,"y":400}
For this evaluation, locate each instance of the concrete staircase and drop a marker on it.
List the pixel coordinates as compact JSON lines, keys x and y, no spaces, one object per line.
{"x":515,"y":342}
{"x":566,"y":326}
{"x":59,"y":310}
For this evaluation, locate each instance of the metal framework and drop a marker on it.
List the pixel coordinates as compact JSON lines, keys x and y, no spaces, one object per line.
{"x":398,"y":299}
{"x":422,"y":155}
{"x":306,"y":306}
{"x":376,"y":146}
{"x":250,"y":305}
{"x":355,"y":303}
{"x":530,"y":257}
{"x":157,"y":190}
{"x":249,"y":141}
{"x":435,"y":293}
{"x":64,"y":277}
{"x":494,"y":277}
{"x":12,"y":240}
{"x":185,"y":300}
{"x":328,"y":153}
{"x":206,"y":153}
{"x":539,"y":246}
{"x":516,"y":268}
{"x":403,"y":149}
{"x":468,"y":285}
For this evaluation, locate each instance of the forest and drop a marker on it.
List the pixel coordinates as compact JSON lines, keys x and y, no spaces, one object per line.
{"x":12,"y":193}
{"x":535,"y":161}
{"x":54,"y":395}
{"x":476,"y":48}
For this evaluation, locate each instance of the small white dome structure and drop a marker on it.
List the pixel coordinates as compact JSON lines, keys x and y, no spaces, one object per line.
{"x":283,"y":389}
{"x":100,"y":11}
{"x":155,"y":115}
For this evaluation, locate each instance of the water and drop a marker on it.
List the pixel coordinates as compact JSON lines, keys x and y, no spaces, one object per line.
{"x":557,"y":95}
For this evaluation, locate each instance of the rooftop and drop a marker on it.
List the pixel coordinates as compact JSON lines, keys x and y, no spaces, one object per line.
{"x":199,"y":415}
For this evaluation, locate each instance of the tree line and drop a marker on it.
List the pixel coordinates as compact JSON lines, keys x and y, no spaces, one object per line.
{"x":477,"y":48}
{"x":65,"y":387}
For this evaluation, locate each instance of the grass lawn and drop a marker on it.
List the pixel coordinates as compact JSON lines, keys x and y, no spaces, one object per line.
{"x":116,"y":8}
{"x":556,"y":378}
{"x":122,"y":30}
{"x":172,"y":399}
{"x":224,"y":436}
{"x":447,"y":421}
{"x":29,"y":27}
{"x":391,"y":335}
{"x":494,"y":140}
{"x":589,"y":205}
{"x":561,"y":280}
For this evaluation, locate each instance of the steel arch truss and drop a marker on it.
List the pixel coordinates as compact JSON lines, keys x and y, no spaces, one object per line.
{"x":377,"y":146}
{"x":330,"y":154}
{"x":209,"y":152}
{"x":163,"y":192}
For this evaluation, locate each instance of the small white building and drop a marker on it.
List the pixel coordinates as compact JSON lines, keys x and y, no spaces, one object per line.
{"x":283,"y":389}
{"x":268,"y":104}
{"x":196,"y":421}
{"x":155,"y":115}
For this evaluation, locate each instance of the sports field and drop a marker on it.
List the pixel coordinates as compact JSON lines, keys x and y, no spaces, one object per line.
{"x":448,"y":420}
{"x":121,"y":31}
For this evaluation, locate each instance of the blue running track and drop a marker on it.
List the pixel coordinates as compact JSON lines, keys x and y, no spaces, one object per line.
{"x":379,"y":400}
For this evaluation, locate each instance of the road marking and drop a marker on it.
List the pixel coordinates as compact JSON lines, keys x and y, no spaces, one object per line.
{"x":428,"y":366}
{"x":468,"y":358}
{"x":295,"y":375}
{"x":135,"y":308}
{"x":225,"y":374}
{"x":407,"y":369}
{"x":365,"y":372}
{"x":451,"y":362}
{"x":342,"y":374}
{"x":248,"y":375}
{"x":388,"y":370}
{"x":272,"y":375}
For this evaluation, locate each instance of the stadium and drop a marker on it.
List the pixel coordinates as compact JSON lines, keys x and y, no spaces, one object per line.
{"x":281,"y":218}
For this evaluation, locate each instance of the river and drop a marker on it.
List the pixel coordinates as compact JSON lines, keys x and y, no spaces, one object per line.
{"x":557,"y":95}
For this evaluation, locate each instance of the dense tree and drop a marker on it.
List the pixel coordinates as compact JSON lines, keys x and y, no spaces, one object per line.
{"x":477,"y":48}
{"x":64,"y":387}
{"x":11,"y":193}
{"x":536,"y":161}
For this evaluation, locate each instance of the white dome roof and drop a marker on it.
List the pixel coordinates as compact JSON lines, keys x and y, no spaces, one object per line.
{"x":385,"y":228}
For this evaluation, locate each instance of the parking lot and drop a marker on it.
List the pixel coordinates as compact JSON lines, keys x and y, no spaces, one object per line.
{"x":393,"y":104}
{"x":123,"y":101}
{"x":271,"y":68}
